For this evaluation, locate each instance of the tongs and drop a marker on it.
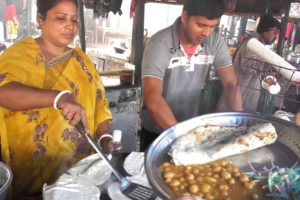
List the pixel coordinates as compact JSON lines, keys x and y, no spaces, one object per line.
{"x":131,"y":190}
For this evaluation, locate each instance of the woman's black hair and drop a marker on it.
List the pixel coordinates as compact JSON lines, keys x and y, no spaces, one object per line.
{"x":44,"y":5}
{"x":211,"y":9}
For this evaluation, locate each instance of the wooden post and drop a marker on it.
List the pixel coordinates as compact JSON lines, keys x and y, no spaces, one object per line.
{"x":267,"y":6}
{"x":138,"y":41}
{"x":81,"y":25}
{"x":242,"y":29}
{"x":284,"y":23}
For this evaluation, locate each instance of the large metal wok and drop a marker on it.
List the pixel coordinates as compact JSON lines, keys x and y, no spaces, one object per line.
{"x":284,"y":152}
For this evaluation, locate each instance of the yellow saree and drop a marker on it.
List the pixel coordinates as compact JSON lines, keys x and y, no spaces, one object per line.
{"x":39,"y":144}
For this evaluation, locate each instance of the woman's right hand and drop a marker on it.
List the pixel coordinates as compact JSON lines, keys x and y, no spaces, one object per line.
{"x":72,"y":110}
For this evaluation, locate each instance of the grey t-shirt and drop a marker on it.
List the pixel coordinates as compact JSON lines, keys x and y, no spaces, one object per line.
{"x":183,"y":77}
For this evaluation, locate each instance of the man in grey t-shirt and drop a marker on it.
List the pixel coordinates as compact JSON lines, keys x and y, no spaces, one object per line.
{"x":176,"y":64}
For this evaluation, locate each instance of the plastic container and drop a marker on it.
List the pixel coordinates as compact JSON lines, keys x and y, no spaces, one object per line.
{"x":117,"y":141}
{"x":273,"y":86}
{"x":5,"y":180}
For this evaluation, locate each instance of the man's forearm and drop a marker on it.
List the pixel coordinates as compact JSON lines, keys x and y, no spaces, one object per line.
{"x":161,"y":113}
{"x":233,"y":98}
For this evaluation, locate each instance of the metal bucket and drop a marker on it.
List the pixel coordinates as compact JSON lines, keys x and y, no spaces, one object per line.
{"x":5,"y":180}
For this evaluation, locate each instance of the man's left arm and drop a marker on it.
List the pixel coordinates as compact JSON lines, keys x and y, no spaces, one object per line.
{"x":231,"y":90}
{"x":227,"y":76}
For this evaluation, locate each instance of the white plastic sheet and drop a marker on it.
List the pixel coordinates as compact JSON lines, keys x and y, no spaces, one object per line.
{"x":69,"y":187}
{"x":80,"y":182}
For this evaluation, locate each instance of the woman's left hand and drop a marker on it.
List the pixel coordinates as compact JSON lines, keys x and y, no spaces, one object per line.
{"x":106,"y":144}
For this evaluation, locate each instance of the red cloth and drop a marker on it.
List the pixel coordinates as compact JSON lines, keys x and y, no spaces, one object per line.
{"x":189,"y":50}
{"x":133,"y":7}
{"x":289,"y":29}
{"x":10,"y":12}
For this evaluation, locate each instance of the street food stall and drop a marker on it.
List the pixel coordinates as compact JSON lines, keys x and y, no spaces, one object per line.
{"x":275,"y":162}
{"x":280,"y":157}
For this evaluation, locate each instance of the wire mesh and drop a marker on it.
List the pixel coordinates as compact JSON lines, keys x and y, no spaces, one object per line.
{"x":287,"y":99}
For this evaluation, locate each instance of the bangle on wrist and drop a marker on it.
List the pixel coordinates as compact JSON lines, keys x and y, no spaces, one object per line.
{"x":58,"y":96}
{"x":103,"y":136}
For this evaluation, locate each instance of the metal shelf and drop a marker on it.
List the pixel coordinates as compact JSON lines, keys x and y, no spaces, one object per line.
{"x":289,"y":96}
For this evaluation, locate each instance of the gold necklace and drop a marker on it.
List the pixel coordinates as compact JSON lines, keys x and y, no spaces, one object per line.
{"x":55,"y":60}
{"x":50,"y":59}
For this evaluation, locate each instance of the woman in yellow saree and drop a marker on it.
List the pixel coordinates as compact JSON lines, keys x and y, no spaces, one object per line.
{"x":38,"y":75}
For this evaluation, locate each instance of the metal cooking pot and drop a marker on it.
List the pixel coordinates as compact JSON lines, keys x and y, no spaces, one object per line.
{"x":284,"y":152}
{"x":5,"y":180}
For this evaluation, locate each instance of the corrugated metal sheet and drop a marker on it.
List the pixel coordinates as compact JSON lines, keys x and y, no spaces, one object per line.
{"x":275,"y":7}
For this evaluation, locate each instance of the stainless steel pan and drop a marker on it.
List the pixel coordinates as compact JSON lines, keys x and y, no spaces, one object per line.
{"x":284,"y":152}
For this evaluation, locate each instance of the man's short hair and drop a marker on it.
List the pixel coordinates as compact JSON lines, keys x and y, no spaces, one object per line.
{"x":211,"y":9}
{"x":266,"y":22}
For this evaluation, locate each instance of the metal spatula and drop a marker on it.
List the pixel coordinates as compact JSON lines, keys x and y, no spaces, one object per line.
{"x":131,"y":190}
